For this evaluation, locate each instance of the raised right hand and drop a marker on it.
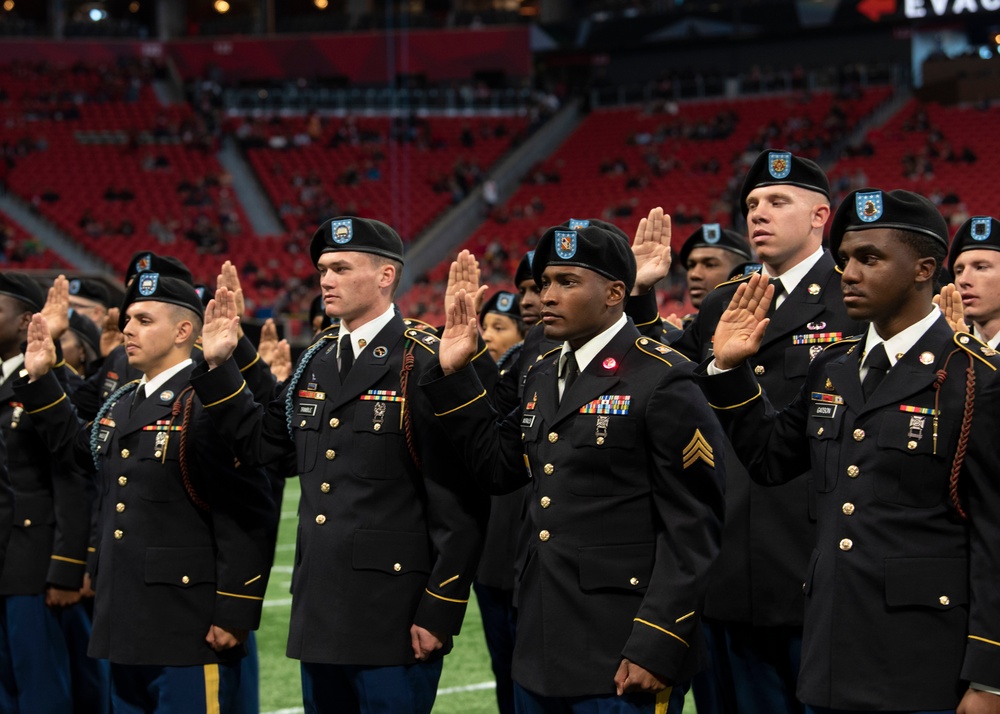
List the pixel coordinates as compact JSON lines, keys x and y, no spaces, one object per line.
{"x":741,"y":327}
{"x":111,"y":336}
{"x":40,"y":356}
{"x":461,"y":334}
{"x":222,"y":327}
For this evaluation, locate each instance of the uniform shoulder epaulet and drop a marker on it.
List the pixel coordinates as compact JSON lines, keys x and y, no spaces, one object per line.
{"x":428,"y":340}
{"x":853,"y":339}
{"x":542,"y":356}
{"x":837,"y":269}
{"x":420,"y":325}
{"x":660,"y":351}
{"x":736,"y":281}
{"x":198,"y":344}
{"x":330,"y":333}
{"x":978,"y":349}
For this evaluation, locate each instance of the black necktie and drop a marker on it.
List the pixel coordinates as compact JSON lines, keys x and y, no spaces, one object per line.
{"x":779,"y":289}
{"x":877,"y":362}
{"x":346,"y":358}
{"x":571,"y":371}
{"x":140,"y":397}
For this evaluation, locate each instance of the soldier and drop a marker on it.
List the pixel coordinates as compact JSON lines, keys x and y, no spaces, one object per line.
{"x":90,"y":298}
{"x":710,"y":255}
{"x":6,"y":502}
{"x":389,"y":536}
{"x":625,"y":503}
{"x":902,"y":608}
{"x":503,"y":329}
{"x":182,"y":553}
{"x":755,"y":602}
{"x":47,"y":550}
{"x":975,"y":260}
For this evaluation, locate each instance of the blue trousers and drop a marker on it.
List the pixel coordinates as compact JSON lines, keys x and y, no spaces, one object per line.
{"x":764,"y":665}
{"x":354,"y":689}
{"x":198,"y":689}
{"x":527,"y":702}
{"x":497,"y":609}
{"x":91,"y":677}
{"x":248,"y":696}
{"x":34,"y":660}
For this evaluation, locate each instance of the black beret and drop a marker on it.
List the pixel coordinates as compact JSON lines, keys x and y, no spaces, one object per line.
{"x":86,"y":330}
{"x":782,"y":168}
{"x":574,"y":223}
{"x":711,"y":235}
{"x":23,"y":288}
{"x":89,"y":289}
{"x":870,"y":208}
{"x":523,"y":271}
{"x":502,"y":303}
{"x":592,"y":247}
{"x":205,"y":293}
{"x":153,"y":287}
{"x":149,"y":262}
{"x":977,"y":233}
{"x":363,"y":235}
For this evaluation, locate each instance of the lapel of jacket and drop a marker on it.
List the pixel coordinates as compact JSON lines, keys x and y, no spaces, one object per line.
{"x":368,"y":369}
{"x":909,"y":376}
{"x":800,"y":307}
{"x":843,"y":374}
{"x":154,"y":407}
{"x":600,"y":376}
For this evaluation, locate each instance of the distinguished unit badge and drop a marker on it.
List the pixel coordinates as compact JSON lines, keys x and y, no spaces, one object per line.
{"x":342,"y":231}
{"x":565,"y":244}
{"x":868,"y":206}
{"x":779,"y":164}
{"x":148,"y":283}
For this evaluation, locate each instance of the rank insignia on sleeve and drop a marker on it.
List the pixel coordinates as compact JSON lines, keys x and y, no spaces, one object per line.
{"x":698,"y":449}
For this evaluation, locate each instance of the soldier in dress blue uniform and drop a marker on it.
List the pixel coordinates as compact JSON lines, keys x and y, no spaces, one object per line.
{"x":625,"y":495}
{"x":47,"y":549}
{"x":389,"y":530}
{"x":896,"y":425}
{"x":755,"y":602}
{"x":182,"y":551}
{"x":974,"y":259}
{"x":709,"y":255}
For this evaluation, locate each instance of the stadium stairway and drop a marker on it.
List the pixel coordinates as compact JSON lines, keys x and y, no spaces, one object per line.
{"x":456,"y":225}
{"x":46,"y":232}
{"x":256,"y":205}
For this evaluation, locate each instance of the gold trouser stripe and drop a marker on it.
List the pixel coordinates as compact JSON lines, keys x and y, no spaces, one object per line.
{"x":663,"y":701}
{"x":446,"y":599}
{"x":736,"y":406}
{"x":212,"y":689}
{"x":462,"y":406}
{"x":666,"y":632}
{"x":983,"y":639}
{"x":244,"y":597}
{"x":47,"y":406}
{"x":226,"y":399}
{"x":68,"y":560}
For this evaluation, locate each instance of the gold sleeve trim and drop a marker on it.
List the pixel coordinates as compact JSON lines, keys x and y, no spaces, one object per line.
{"x":666,"y":632}
{"x":650,"y":322}
{"x":252,"y":580}
{"x":68,"y":560}
{"x":462,"y":406}
{"x":983,"y":639}
{"x":226,"y":399}
{"x":480,"y":354}
{"x":242,"y":597}
{"x":446,"y":599}
{"x":741,"y":404}
{"x":684,"y":617}
{"x":452,"y":579}
{"x":48,"y":406}
{"x":255,"y":360}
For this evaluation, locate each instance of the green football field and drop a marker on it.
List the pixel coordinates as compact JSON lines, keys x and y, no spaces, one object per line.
{"x":467,"y":685}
